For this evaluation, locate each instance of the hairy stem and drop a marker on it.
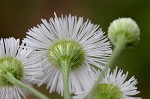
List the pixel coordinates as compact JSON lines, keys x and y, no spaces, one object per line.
{"x":65,"y":71}
{"x":121,"y":42}
{"x":13,"y":80}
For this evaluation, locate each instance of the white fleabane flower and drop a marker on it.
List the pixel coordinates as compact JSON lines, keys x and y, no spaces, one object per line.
{"x":114,"y":86}
{"x":15,"y":59}
{"x":69,"y":40}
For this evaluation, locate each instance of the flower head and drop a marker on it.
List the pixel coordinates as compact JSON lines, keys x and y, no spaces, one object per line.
{"x":15,"y":59}
{"x":114,"y":86}
{"x":69,"y":40}
{"x":127,"y":27}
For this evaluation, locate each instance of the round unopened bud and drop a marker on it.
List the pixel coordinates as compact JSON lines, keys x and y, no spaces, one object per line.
{"x":127,"y":27}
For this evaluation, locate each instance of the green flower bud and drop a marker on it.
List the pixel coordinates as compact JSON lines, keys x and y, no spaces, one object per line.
{"x":10,"y":65}
{"x":127,"y":27}
{"x":67,"y":51}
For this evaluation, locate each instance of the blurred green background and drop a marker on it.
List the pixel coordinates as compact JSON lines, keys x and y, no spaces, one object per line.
{"x":17,"y":16}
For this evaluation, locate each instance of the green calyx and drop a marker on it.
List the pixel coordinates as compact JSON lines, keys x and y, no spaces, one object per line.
{"x":10,"y":65}
{"x":68,"y":51}
{"x":107,"y":91}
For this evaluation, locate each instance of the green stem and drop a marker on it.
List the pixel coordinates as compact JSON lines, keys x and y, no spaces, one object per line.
{"x":65,"y":71}
{"x":121,"y":42}
{"x":13,"y":80}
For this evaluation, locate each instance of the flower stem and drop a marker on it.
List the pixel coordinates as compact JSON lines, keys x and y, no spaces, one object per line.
{"x":65,"y":71}
{"x":13,"y":80}
{"x":121,"y":42}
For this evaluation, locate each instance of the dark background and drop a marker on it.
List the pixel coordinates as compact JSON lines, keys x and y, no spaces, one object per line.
{"x":17,"y":16}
